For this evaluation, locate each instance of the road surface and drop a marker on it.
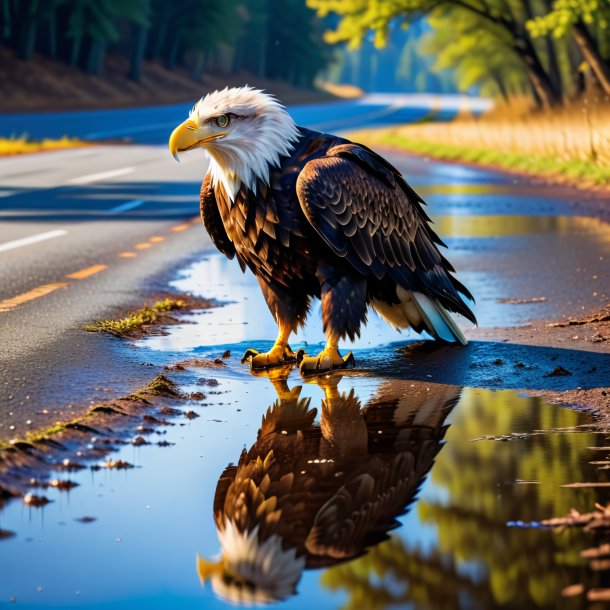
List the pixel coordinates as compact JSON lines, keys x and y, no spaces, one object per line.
{"x":84,"y":232}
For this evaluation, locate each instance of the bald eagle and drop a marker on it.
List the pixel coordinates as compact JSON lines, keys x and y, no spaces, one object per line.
{"x":312,"y":496}
{"x":313,"y":215}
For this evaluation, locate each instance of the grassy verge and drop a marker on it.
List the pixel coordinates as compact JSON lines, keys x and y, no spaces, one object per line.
{"x":570,"y":144}
{"x":21,"y":145}
{"x":136,"y":322}
{"x":573,"y":171}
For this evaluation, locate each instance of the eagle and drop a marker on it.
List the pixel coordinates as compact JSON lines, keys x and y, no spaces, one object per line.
{"x":314,"y":215}
{"x":309,"y":495}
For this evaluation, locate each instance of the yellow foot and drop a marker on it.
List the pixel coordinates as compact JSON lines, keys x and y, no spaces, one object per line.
{"x":279,"y":355}
{"x":327,"y":360}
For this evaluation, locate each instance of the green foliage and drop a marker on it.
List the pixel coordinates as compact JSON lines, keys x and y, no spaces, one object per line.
{"x":480,"y":57}
{"x":565,"y":13}
{"x":513,"y":37}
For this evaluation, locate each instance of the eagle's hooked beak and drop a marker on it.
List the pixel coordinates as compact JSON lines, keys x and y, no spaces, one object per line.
{"x":183,"y":138}
{"x":188,"y":136}
{"x":206,"y":568}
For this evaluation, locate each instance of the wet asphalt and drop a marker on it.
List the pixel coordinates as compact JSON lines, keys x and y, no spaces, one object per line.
{"x":114,"y":223}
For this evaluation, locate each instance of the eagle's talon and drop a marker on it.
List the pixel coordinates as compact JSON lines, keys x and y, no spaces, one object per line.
{"x":248,"y":355}
{"x":277,"y":356}
{"x":325,"y":361}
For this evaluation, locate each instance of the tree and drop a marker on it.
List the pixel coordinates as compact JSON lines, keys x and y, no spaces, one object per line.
{"x":578,"y":17}
{"x":479,"y":57}
{"x":358,"y":17}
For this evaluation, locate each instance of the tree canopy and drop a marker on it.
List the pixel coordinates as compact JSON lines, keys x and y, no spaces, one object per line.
{"x":494,"y":43}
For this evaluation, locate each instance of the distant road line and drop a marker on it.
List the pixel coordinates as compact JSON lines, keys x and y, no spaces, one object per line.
{"x":88,"y":271}
{"x":179,"y":228}
{"x":26,"y":241}
{"x":41,"y":291}
{"x":87,"y":178}
{"x":124,"y":207}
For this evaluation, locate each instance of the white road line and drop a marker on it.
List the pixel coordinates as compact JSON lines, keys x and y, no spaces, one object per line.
{"x":26,"y":241}
{"x":101,"y":175}
{"x":130,"y":205}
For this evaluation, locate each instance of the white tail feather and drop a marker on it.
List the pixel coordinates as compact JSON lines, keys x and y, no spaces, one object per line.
{"x":438,"y":322}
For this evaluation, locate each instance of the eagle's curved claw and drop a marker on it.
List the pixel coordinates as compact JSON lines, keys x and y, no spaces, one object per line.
{"x":278,"y":355}
{"x":327,"y":360}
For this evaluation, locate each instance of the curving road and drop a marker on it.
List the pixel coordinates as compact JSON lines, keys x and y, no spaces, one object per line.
{"x":86,"y":231}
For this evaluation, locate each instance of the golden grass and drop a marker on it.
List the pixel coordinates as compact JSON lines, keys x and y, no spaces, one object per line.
{"x":21,"y":145}
{"x":571,"y":143}
{"x":127,"y":326}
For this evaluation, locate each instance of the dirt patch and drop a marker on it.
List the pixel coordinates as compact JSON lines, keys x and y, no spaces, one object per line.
{"x":28,"y":462}
{"x":590,"y":333}
{"x":43,"y":84}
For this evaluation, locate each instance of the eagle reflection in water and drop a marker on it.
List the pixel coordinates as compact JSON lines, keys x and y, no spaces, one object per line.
{"x":309,"y":495}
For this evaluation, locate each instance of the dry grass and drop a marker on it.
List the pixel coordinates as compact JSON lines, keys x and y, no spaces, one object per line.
{"x":572,"y":143}
{"x":134,"y":323}
{"x":21,"y":145}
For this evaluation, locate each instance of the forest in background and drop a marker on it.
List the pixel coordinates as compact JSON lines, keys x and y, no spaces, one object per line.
{"x":257,"y":36}
{"x":551,"y":50}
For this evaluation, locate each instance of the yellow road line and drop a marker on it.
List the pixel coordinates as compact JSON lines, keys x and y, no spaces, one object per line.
{"x":156,"y":239}
{"x":84,"y":273}
{"x":143,"y":245}
{"x":179,"y":228}
{"x":127,"y":254}
{"x":41,"y":291}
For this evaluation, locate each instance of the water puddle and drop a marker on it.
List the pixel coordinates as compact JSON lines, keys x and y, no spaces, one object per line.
{"x":345,"y":457}
{"x":383,"y":494}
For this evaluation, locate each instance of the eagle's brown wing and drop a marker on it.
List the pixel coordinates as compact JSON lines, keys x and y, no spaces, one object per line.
{"x":365,"y":508}
{"x":367,"y":213}
{"x":211,"y":219}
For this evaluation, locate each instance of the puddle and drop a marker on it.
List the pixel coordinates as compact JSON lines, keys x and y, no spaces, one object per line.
{"x":142,"y":529}
{"x":391,"y":453}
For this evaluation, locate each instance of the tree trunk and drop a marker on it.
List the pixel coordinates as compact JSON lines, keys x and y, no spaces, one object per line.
{"x":172,"y":58}
{"x":6,"y":20}
{"x":75,"y":52}
{"x":198,"y":66}
{"x":535,"y":71}
{"x":578,"y":76}
{"x":159,"y":42}
{"x":554,"y":70}
{"x":26,"y":42}
{"x":95,"y":60}
{"x":499,"y":81}
{"x":53,"y":36}
{"x":592,"y":55}
{"x":138,"y":54}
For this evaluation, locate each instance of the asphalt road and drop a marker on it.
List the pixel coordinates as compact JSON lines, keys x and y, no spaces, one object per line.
{"x":87,"y":231}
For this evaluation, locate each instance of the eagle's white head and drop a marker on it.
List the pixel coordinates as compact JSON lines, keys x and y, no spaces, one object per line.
{"x":244,"y":130}
{"x":252,"y":571}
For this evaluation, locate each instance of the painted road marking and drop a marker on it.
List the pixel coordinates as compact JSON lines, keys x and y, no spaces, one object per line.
{"x":143,"y":245}
{"x":26,"y":241}
{"x":124,"y":207}
{"x":127,"y":254}
{"x":155,"y":239}
{"x":41,"y":291}
{"x":179,"y":228}
{"x":87,"y":178}
{"x":87,"y":272}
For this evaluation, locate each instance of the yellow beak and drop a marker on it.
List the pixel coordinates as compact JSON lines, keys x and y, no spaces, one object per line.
{"x":188,"y":136}
{"x":206,"y":568}
{"x":183,"y":138}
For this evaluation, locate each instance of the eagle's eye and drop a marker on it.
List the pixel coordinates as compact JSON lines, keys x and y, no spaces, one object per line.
{"x":222,"y":120}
